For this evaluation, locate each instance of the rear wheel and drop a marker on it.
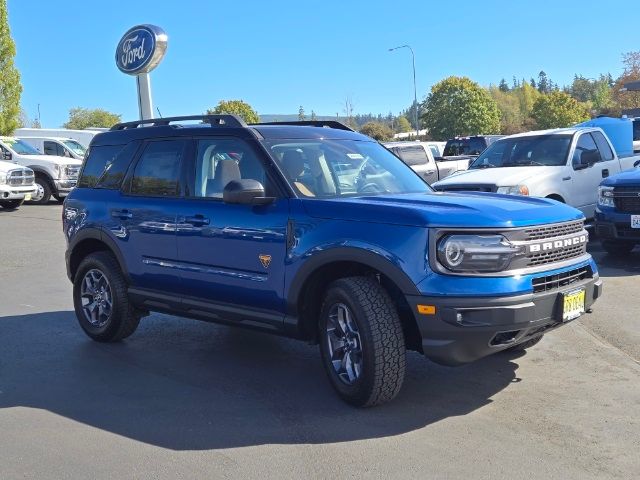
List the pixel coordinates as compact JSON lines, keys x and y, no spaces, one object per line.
{"x":617,"y":248}
{"x":11,"y":204}
{"x":361,"y":342}
{"x":43,"y":191}
{"x":100,"y":299}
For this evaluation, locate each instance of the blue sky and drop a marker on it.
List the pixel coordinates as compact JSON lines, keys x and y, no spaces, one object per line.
{"x":278,"y":55}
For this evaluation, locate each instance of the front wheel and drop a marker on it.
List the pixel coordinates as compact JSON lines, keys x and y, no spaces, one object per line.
{"x":100,"y":299}
{"x":11,"y":204}
{"x":617,"y":248}
{"x":361,"y":342}
{"x":43,"y":191}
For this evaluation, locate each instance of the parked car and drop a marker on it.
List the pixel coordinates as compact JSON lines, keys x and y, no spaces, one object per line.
{"x":59,"y":147}
{"x":468,"y":146}
{"x":83,"y":137}
{"x":318,"y":233}
{"x":16,"y":185}
{"x":419,"y":156}
{"x":566,"y":165}
{"x":636,"y":135}
{"x":54,"y":176}
{"x":618,"y":212}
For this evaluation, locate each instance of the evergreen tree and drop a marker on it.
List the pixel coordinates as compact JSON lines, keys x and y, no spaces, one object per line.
{"x":10,"y":86}
{"x":313,"y":115}
{"x":533,"y":83}
{"x":503,"y":86}
{"x":543,"y":82}
{"x":301,"y":115}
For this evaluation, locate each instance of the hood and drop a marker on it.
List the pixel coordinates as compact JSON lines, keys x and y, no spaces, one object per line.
{"x":627,"y":178}
{"x":50,"y":159}
{"x":499,"y":176}
{"x":8,"y":166}
{"x":462,"y":210}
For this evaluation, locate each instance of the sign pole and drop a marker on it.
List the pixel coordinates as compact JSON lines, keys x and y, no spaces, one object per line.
{"x":145,"y":103}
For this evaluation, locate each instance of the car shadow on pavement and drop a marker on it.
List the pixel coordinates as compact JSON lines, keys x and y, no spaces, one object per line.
{"x":615,"y":266}
{"x":187,"y":385}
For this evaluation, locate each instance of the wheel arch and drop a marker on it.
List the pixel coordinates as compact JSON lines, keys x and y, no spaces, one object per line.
{"x":305,"y":296}
{"x":556,"y":196}
{"x":89,"y":241}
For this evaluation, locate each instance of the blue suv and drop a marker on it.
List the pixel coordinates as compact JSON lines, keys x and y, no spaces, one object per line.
{"x":315,"y":232}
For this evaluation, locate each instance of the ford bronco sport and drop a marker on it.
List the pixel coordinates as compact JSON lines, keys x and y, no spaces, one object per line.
{"x":313,"y":231}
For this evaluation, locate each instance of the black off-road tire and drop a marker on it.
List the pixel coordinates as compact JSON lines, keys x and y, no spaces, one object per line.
{"x":11,"y":204}
{"x":124,"y":317}
{"x":383,"y":345}
{"x":46,"y":187}
{"x":617,"y":248}
{"x":525,"y":345}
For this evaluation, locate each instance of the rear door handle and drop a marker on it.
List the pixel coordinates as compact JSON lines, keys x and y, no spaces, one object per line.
{"x":197,"y":220}
{"x":121,"y":214}
{"x":605,"y":173}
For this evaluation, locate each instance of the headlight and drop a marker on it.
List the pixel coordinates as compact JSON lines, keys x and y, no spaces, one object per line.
{"x":4,"y":179}
{"x":476,"y":253}
{"x":59,"y":170}
{"x":605,"y":197}
{"x":514,"y":190}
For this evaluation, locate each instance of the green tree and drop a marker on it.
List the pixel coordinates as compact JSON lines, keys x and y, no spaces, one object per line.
{"x":10,"y":86}
{"x":458,"y":106}
{"x":378,"y":131}
{"x":628,"y":100}
{"x":558,"y":109}
{"x":236,"y":107}
{"x":301,"y":114}
{"x":543,"y":82}
{"x":512,"y":118}
{"x":81,"y":118}
{"x":403,"y":125}
{"x":503,"y":86}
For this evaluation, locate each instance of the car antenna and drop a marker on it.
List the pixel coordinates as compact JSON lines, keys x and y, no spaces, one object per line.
{"x":159,"y":114}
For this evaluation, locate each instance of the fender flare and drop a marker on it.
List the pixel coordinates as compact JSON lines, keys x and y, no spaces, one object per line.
{"x":369,"y":258}
{"x":38,"y":169}
{"x":95,"y":233}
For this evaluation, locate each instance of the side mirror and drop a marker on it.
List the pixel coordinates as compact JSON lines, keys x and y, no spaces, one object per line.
{"x":588,"y":158}
{"x":6,"y":155}
{"x":245,"y":192}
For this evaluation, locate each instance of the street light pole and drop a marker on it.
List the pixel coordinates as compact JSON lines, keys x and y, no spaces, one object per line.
{"x":415,"y":92}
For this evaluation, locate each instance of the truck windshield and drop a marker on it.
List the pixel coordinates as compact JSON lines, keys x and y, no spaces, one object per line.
{"x":19,"y":147}
{"x":339,"y":168}
{"x":540,"y":150}
{"x":75,"y":147}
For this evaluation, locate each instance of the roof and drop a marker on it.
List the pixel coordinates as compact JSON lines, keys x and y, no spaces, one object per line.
{"x":553,"y":131}
{"x":43,"y":137}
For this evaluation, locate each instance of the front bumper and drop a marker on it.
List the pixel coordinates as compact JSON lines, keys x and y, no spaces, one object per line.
{"x":464,"y":329}
{"x":612,"y":225}
{"x":16,"y":193}
{"x":63,"y":187}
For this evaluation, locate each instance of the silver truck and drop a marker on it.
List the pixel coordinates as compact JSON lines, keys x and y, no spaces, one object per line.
{"x":419,"y":156}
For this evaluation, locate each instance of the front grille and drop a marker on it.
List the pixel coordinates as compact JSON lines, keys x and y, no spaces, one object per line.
{"x":467,"y":188}
{"x":20,"y":177}
{"x":550,"y":231}
{"x":560,"y":280}
{"x":628,"y":232}
{"x":543,"y":258}
{"x":627,"y":199}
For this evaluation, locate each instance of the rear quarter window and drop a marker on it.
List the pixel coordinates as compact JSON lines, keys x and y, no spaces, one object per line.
{"x":101,"y":159}
{"x":413,"y":155}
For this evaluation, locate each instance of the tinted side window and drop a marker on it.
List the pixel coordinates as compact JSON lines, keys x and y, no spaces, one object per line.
{"x":116,"y":169}
{"x":95,"y":164}
{"x":585,"y":147}
{"x":476,"y":146}
{"x":50,"y":148}
{"x":158,"y":171}
{"x":636,"y":130}
{"x":451,"y":149}
{"x":603,"y":146}
{"x":413,"y":155}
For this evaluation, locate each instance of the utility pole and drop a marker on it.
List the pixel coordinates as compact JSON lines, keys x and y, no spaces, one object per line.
{"x":415,"y":92}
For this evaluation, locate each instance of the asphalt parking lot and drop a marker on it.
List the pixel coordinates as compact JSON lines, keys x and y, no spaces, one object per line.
{"x":185,"y":399}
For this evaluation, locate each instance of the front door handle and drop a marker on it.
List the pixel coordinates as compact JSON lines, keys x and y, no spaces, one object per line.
{"x":605,"y":173}
{"x":121,"y":214}
{"x":197,"y":220}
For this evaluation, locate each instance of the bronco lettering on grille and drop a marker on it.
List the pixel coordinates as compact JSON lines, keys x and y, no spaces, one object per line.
{"x":557,"y":244}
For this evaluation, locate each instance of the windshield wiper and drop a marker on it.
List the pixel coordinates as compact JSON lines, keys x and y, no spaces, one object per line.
{"x":483,"y":165}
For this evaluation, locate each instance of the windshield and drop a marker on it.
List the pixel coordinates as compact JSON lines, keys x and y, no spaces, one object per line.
{"x":75,"y":147}
{"x":338,"y":168}
{"x":540,"y":150}
{"x":20,"y":147}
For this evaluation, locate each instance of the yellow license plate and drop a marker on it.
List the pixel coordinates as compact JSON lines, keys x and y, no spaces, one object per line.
{"x":27,"y":197}
{"x":573,"y":305}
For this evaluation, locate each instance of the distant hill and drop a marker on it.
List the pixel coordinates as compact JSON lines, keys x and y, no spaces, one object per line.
{"x":283,"y":117}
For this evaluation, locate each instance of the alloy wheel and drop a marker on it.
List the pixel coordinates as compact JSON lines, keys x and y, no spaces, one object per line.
{"x":345,"y":344}
{"x":96,"y":298}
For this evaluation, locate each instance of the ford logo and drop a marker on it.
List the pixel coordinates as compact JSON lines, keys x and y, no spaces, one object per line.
{"x":141,"y":49}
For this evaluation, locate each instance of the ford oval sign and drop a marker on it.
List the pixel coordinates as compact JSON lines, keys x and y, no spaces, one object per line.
{"x":141,"y":49}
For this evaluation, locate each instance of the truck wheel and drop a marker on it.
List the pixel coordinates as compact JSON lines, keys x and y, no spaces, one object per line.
{"x":59,"y":199}
{"x":43,"y":191}
{"x":11,"y":204}
{"x":100,"y":299}
{"x":361,"y":342}
{"x":525,"y":345}
{"x":617,"y":248}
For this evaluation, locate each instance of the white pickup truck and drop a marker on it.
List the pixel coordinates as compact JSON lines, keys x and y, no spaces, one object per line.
{"x":16,"y":185}
{"x":55,"y":176}
{"x":566,"y":165}
{"x":419,"y":156}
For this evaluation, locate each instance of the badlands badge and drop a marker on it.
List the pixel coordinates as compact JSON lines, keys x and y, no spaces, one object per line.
{"x":265,"y":260}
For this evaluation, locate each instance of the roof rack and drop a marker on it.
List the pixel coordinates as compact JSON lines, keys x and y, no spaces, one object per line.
{"x":213,"y":120}
{"x":311,"y":123}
